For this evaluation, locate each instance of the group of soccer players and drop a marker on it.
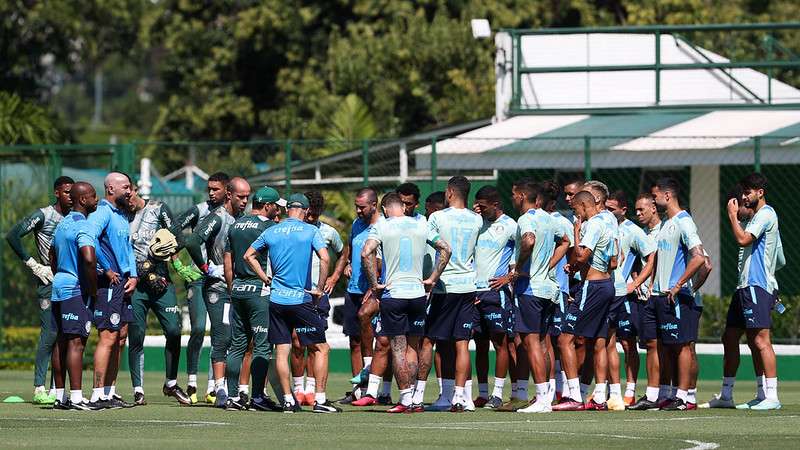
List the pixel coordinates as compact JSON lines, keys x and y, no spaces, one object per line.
{"x":553,"y":296}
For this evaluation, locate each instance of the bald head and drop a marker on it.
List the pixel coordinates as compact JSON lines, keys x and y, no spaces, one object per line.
{"x":84,"y":197}
{"x":584,"y":204}
{"x":238,"y":195}
{"x":118,"y":189}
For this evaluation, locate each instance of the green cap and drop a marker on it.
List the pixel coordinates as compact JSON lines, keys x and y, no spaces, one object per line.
{"x":269,"y":195}
{"x":297,"y":201}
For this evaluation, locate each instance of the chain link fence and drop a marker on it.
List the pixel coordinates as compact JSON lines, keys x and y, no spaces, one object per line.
{"x":706,"y":167}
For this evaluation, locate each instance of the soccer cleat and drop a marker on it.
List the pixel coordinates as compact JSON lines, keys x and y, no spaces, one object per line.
{"x":537,"y":407}
{"x":512,"y":405}
{"x":264,"y":404}
{"x":289,"y":408}
{"x":361,"y":378}
{"x":138,"y":399}
{"x":398,"y":408}
{"x":384,"y":400}
{"x":366,"y":400}
{"x":119,"y":402}
{"x":177,"y":393}
{"x":492,"y":403}
{"x":191,"y":391}
{"x":629,"y":401}
{"x":615,"y":403}
{"x":766,"y":405}
{"x":718,"y":402}
{"x":643,"y":404}
{"x":568,"y":404}
{"x":61,"y":406}
{"x":675,"y":405}
{"x":441,"y":404}
{"x":42,"y":397}
{"x":326,"y":408}
{"x":221,"y":398}
{"x":480,"y":402}
{"x":309,"y":399}
{"x":211,"y":398}
{"x":83,"y":405}
{"x":749,"y":404}
{"x":665,"y":402}
{"x":237,"y":405}
{"x":415,"y":408}
{"x":691,"y":406}
{"x":348,"y":399}
{"x":594,"y":406}
{"x":457,"y":407}
{"x":103,"y":403}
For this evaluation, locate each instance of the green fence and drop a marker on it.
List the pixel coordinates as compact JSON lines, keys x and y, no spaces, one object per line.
{"x":707,"y":168}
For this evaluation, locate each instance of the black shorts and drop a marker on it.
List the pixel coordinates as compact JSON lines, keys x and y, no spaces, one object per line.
{"x":627,"y":316}
{"x":350,"y":324}
{"x":302,"y":318}
{"x":678,"y":322}
{"x":751,"y":308}
{"x":535,"y":314}
{"x":557,"y":317}
{"x":493,"y":312}
{"x":614,"y":310}
{"x":450,"y":317}
{"x":71,"y":317}
{"x":587,"y":314}
{"x":110,"y":307}
{"x":401,"y":316}
{"x":648,"y":322}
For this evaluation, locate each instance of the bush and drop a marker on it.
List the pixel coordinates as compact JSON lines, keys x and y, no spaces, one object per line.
{"x":20,"y":344}
{"x":785,"y":327}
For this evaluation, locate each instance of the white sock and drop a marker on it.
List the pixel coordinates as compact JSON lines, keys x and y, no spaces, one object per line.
{"x":38,"y":389}
{"x":441,"y":386}
{"x":600,"y":392}
{"x":448,"y":386}
{"x":210,"y":385}
{"x":483,"y":390}
{"x":615,"y":389}
{"x":297,"y":382}
{"x":419,"y":392}
{"x":406,"y":396}
{"x":652,"y":393}
{"x":171,"y":383}
{"x":112,"y":391}
{"x":60,"y":394}
{"x":244,"y":389}
{"x":664,"y":391}
{"x":373,"y":384}
{"x":573,"y":384}
{"x":367,"y":362}
{"x":691,"y":396}
{"x":468,"y":390}
{"x":726,"y":393}
{"x":76,"y":396}
{"x":499,"y":384}
{"x":541,"y":391}
{"x":386,"y":388}
{"x":52,"y":391}
{"x":311,"y":385}
{"x":288,"y":398}
{"x":192,"y":380}
{"x":771,"y":388}
{"x":760,"y":394}
{"x":563,"y":383}
{"x":97,"y":394}
{"x":138,"y":389}
{"x":220,"y":385}
{"x":522,"y":389}
{"x":630,"y":389}
{"x":552,"y":386}
{"x":320,"y":398}
{"x":458,"y":395}
{"x":683,"y":395}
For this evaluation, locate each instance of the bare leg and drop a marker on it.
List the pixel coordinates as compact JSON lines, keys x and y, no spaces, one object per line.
{"x":731,"y":358}
{"x":612,"y":357}
{"x":103,"y":354}
{"x":463,"y":369}
{"x":282,"y":365}
{"x":321,"y":352}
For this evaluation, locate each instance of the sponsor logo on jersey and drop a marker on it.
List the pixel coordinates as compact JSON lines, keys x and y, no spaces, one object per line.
{"x":172,"y":309}
{"x":69,"y":316}
{"x":260,"y":329}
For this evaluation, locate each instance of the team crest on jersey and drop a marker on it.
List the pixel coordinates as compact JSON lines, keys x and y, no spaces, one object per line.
{"x":114,"y":319}
{"x":213,"y":297}
{"x":88,"y":326}
{"x":44,"y":303}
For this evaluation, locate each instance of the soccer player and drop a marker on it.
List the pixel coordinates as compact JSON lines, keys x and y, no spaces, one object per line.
{"x":292,"y":299}
{"x":493,"y":265}
{"x":217,"y":196}
{"x":116,"y":259}
{"x":211,"y":234}
{"x":155,"y":292}
{"x":357,"y":324}
{"x":587,"y":314}
{"x":42,"y":222}
{"x":250,"y":300}
{"x":453,"y":302}
{"x":333,"y":242}
{"x":72,"y":259}
{"x":535,"y":290}
{"x":678,"y":259}
{"x":402,"y":293}
{"x":756,"y":294}
{"x":634,"y":245}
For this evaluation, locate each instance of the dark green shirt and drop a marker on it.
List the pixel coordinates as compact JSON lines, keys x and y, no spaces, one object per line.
{"x":241,"y":235}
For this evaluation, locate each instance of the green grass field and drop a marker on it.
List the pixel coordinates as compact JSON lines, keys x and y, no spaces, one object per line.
{"x":164,"y":424}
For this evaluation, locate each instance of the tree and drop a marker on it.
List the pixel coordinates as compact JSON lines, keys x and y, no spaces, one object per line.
{"x":23,"y":122}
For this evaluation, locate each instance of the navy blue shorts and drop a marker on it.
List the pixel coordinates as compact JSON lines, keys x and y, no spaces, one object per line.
{"x":627,"y":316}
{"x":302,"y":318}
{"x":751,"y":307}
{"x":557,"y":318}
{"x":377,"y":325}
{"x":400,"y":316}
{"x":648,"y":322}
{"x":614,"y":310}
{"x":450,"y":317}
{"x":678,"y":323}
{"x":71,"y":317}
{"x":323,"y":307}
{"x":493,"y":312}
{"x":587,"y":314}
{"x":350,"y":324}
{"x":109,"y":308}
{"x":534,"y":314}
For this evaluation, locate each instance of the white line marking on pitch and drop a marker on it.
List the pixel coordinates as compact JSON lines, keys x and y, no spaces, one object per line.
{"x":701,"y":445}
{"x":153,"y":421}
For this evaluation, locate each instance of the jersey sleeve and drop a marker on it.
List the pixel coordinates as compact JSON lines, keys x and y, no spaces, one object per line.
{"x":591,"y":235}
{"x":187,"y":218}
{"x":261,"y":241}
{"x":375,"y":233}
{"x":85,"y":239}
{"x":227,"y":248}
{"x":317,"y":241}
{"x":98,"y":221}
{"x":433,"y":229}
{"x":336,"y":242}
{"x":206,"y":231}
{"x":165,"y":217}
{"x":33,"y":222}
{"x":689,"y":235}
{"x":643,"y":244}
{"x":760,"y":223}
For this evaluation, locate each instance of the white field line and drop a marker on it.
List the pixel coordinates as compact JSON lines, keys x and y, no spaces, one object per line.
{"x":143,"y":421}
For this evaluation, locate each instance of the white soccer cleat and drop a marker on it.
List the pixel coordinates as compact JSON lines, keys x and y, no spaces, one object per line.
{"x":537,"y":407}
{"x":718,"y":402}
